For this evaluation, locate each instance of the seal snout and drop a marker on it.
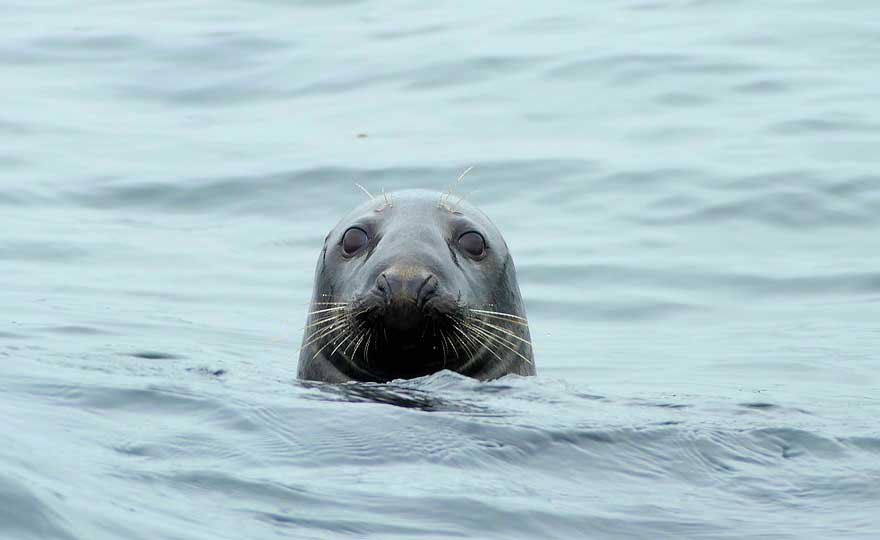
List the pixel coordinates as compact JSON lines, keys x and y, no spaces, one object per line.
{"x":406,"y":291}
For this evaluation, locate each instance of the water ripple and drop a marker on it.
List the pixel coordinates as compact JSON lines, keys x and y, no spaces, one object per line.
{"x":689,"y":189}
{"x":23,"y":515}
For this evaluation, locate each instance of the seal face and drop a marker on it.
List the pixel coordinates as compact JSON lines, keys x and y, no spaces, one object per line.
{"x":411,"y":284}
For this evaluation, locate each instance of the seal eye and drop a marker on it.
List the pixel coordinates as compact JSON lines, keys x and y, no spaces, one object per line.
{"x":354,"y":240}
{"x":472,"y":243}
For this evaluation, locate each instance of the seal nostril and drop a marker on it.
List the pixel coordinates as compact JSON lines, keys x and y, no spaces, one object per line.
{"x":427,"y":290}
{"x":382,"y":285}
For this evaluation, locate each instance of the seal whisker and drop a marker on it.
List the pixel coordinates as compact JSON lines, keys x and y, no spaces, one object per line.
{"x":443,"y":346}
{"x":345,"y":350}
{"x":500,"y":314}
{"x":444,"y":197}
{"x":322,"y":332}
{"x":471,"y":352}
{"x":387,"y":199}
{"x":452,"y":346}
{"x":367,"y":346}
{"x":325,"y":320}
{"x":489,"y":333}
{"x":501,"y":341}
{"x":331,"y":318}
{"x":505,"y":344}
{"x":359,"y":333}
{"x":502,"y":330}
{"x":358,"y":344}
{"x":324,"y":346}
{"x":483,"y":317}
{"x":350,"y":335}
{"x":334,"y":335}
{"x":326,"y":310}
{"x":479,"y":344}
{"x":463,"y":336}
{"x":365,"y":190}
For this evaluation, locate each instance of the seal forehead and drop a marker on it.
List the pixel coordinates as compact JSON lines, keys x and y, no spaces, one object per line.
{"x":410,"y":207}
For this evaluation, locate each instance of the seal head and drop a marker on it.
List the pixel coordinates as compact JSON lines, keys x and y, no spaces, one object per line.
{"x":410,"y":284}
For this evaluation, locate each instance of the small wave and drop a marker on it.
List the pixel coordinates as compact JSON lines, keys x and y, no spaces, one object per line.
{"x":763,"y":86}
{"x":825,"y":126}
{"x":41,"y":251}
{"x":24,"y":515}
{"x":76,"y":329}
{"x":568,"y":276}
{"x":628,"y":69}
{"x":778,"y":200}
{"x":155,"y":355}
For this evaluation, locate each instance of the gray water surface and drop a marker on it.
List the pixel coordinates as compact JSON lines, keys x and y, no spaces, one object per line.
{"x":690,"y":190}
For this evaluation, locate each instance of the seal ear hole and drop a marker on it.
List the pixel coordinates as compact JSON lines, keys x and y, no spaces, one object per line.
{"x":473,"y":244}
{"x":354,"y":240}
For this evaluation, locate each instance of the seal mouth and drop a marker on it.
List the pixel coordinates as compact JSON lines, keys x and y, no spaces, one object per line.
{"x":441,"y":334}
{"x":410,"y":339}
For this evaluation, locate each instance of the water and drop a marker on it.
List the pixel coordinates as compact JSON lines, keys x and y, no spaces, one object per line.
{"x":690,"y":190}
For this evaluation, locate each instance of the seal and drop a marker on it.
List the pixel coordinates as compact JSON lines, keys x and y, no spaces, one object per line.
{"x":410,"y":284}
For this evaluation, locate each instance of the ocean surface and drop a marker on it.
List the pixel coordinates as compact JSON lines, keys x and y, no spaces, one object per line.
{"x":690,"y":190}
